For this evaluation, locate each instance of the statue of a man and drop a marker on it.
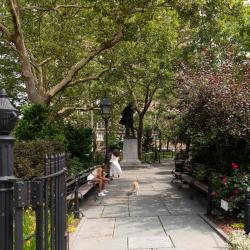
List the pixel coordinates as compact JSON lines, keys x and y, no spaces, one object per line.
{"x":128,"y":121}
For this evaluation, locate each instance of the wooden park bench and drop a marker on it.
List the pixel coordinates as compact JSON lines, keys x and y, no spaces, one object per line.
{"x":186,"y":177}
{"x":78,"y":187}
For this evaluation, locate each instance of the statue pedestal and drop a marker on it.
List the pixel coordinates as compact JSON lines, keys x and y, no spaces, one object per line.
{"x":130,"y":153}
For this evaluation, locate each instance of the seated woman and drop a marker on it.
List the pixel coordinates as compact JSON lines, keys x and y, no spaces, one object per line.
{"x":98,"y":176}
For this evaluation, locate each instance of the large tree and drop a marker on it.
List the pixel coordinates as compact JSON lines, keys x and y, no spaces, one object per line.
{"x":143,"y":66}
{"x":61,"y":45}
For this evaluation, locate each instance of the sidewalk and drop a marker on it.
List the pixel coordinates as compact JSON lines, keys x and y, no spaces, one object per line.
{"x":161,"y":217}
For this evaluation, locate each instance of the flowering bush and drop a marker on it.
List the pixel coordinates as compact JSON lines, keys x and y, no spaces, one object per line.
{"x":232,"y":189}
{"x":239,"y":241}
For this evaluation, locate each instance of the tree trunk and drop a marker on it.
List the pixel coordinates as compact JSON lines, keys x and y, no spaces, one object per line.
{"x":140,"y":135}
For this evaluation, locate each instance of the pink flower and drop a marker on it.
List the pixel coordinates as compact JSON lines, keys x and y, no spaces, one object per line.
{"x":236,"y":191}
{"x":213,"y":193}
{"x":224,"y":179}
{"x":234,"y":166}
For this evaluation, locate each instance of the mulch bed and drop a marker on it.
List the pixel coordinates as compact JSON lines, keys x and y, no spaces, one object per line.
{"x":224,"y":223}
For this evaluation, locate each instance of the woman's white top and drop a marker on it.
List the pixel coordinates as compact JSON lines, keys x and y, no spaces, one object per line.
{"x":114,"y":158}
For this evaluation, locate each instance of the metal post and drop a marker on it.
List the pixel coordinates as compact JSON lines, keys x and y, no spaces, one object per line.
{"x":6,"y":192}
{"x":7,"y":123}
{"x":160,"y":146}
{"x":77,"y":205}
{"x":247,"y":213}
{"x":209,"y":197}
{"x":106,"y":142}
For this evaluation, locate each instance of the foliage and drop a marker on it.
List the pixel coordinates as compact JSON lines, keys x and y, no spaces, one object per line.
{"x":237,"y":226}
{"x":10,"y":79}
{"x":201,"y":172}
{"x":30,"y":156}
{"x":148,"y":140}
{"x":85,"y":31}
{"x":99,"y":158}
{"x":214,"y":101}
{"x":29,"y":227}
{"x":231,"y":188}
{"x":79,"y":142}
{"x":71,"y":222}
{"x":35,"y":124}
{"x":114,"y":142}
{"x":76,"y":165}
{"x":239,"y":241}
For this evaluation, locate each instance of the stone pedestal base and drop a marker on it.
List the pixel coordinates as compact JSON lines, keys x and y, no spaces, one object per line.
{"x":130,"y":153}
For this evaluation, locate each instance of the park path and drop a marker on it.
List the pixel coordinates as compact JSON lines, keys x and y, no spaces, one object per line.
{"x":161,"y":217}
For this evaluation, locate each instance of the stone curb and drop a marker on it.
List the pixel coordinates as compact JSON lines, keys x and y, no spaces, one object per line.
{"x":218,"y":230}
{"x":73,"y":236}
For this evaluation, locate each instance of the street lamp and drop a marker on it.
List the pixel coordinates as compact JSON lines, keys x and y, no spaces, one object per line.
{"x":106,"y":110}
{"x":156,"y":138}
{"x":8,"y":118}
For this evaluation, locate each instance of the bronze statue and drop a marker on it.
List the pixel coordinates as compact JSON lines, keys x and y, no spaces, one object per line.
{"x":128,"y":121}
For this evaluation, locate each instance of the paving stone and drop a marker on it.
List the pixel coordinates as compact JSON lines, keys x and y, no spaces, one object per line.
{"x":93,"y":211}
{"x":138,"y":226}
{"x":149,"y":242}
{"x":96,"y":228}
{"x":190,"y":232}
{"x":115,"y":201}
{"x":154,"y":208}
{"x":147,"y":213}
{"x":101,"y":244}
{"x":116,"y":211}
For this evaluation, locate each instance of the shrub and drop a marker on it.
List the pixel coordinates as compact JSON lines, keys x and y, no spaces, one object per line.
{"x":76,"y":166}
{"x":99,"y":158}
{"x":35,"y":124}
{"x":239,"y":241}
{"x":200,"y":172}
{"x":232,"y":189}
{"x":79,"y":142}
{"x":30,"y":155}
{"x":114,"y":142}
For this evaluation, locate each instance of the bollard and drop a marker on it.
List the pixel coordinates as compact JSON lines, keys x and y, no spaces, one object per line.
{"x":247,"y":213}
{"x":8,"y":119}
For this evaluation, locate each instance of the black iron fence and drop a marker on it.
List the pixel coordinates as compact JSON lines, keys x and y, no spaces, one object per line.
{"x":47,"y":198}
{"x":156,"y":156}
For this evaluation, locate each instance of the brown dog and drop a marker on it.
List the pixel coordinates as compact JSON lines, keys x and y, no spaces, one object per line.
{"x":135,"y":188}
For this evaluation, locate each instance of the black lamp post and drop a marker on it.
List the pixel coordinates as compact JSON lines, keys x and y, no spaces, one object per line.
{"x":156,"y":137}
{"x":106,"y":109}
{"x":8,"y":118}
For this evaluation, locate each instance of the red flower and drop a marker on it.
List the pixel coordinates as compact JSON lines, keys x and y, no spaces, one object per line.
{"x":236,"y":191}
{"x":234,"y":166}
{"x":213,"y":193}
{"x":224,"y":179}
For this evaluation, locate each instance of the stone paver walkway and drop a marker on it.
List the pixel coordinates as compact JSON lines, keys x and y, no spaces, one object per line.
{"x":161,"y":217}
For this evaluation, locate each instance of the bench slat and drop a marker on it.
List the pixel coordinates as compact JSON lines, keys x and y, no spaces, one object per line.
{"x":201,"y":186}
{"x":84,"y":189}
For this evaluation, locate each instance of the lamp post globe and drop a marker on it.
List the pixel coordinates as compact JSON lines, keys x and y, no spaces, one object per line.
{"x":8,"y":114}
{"x":106,"y":110}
